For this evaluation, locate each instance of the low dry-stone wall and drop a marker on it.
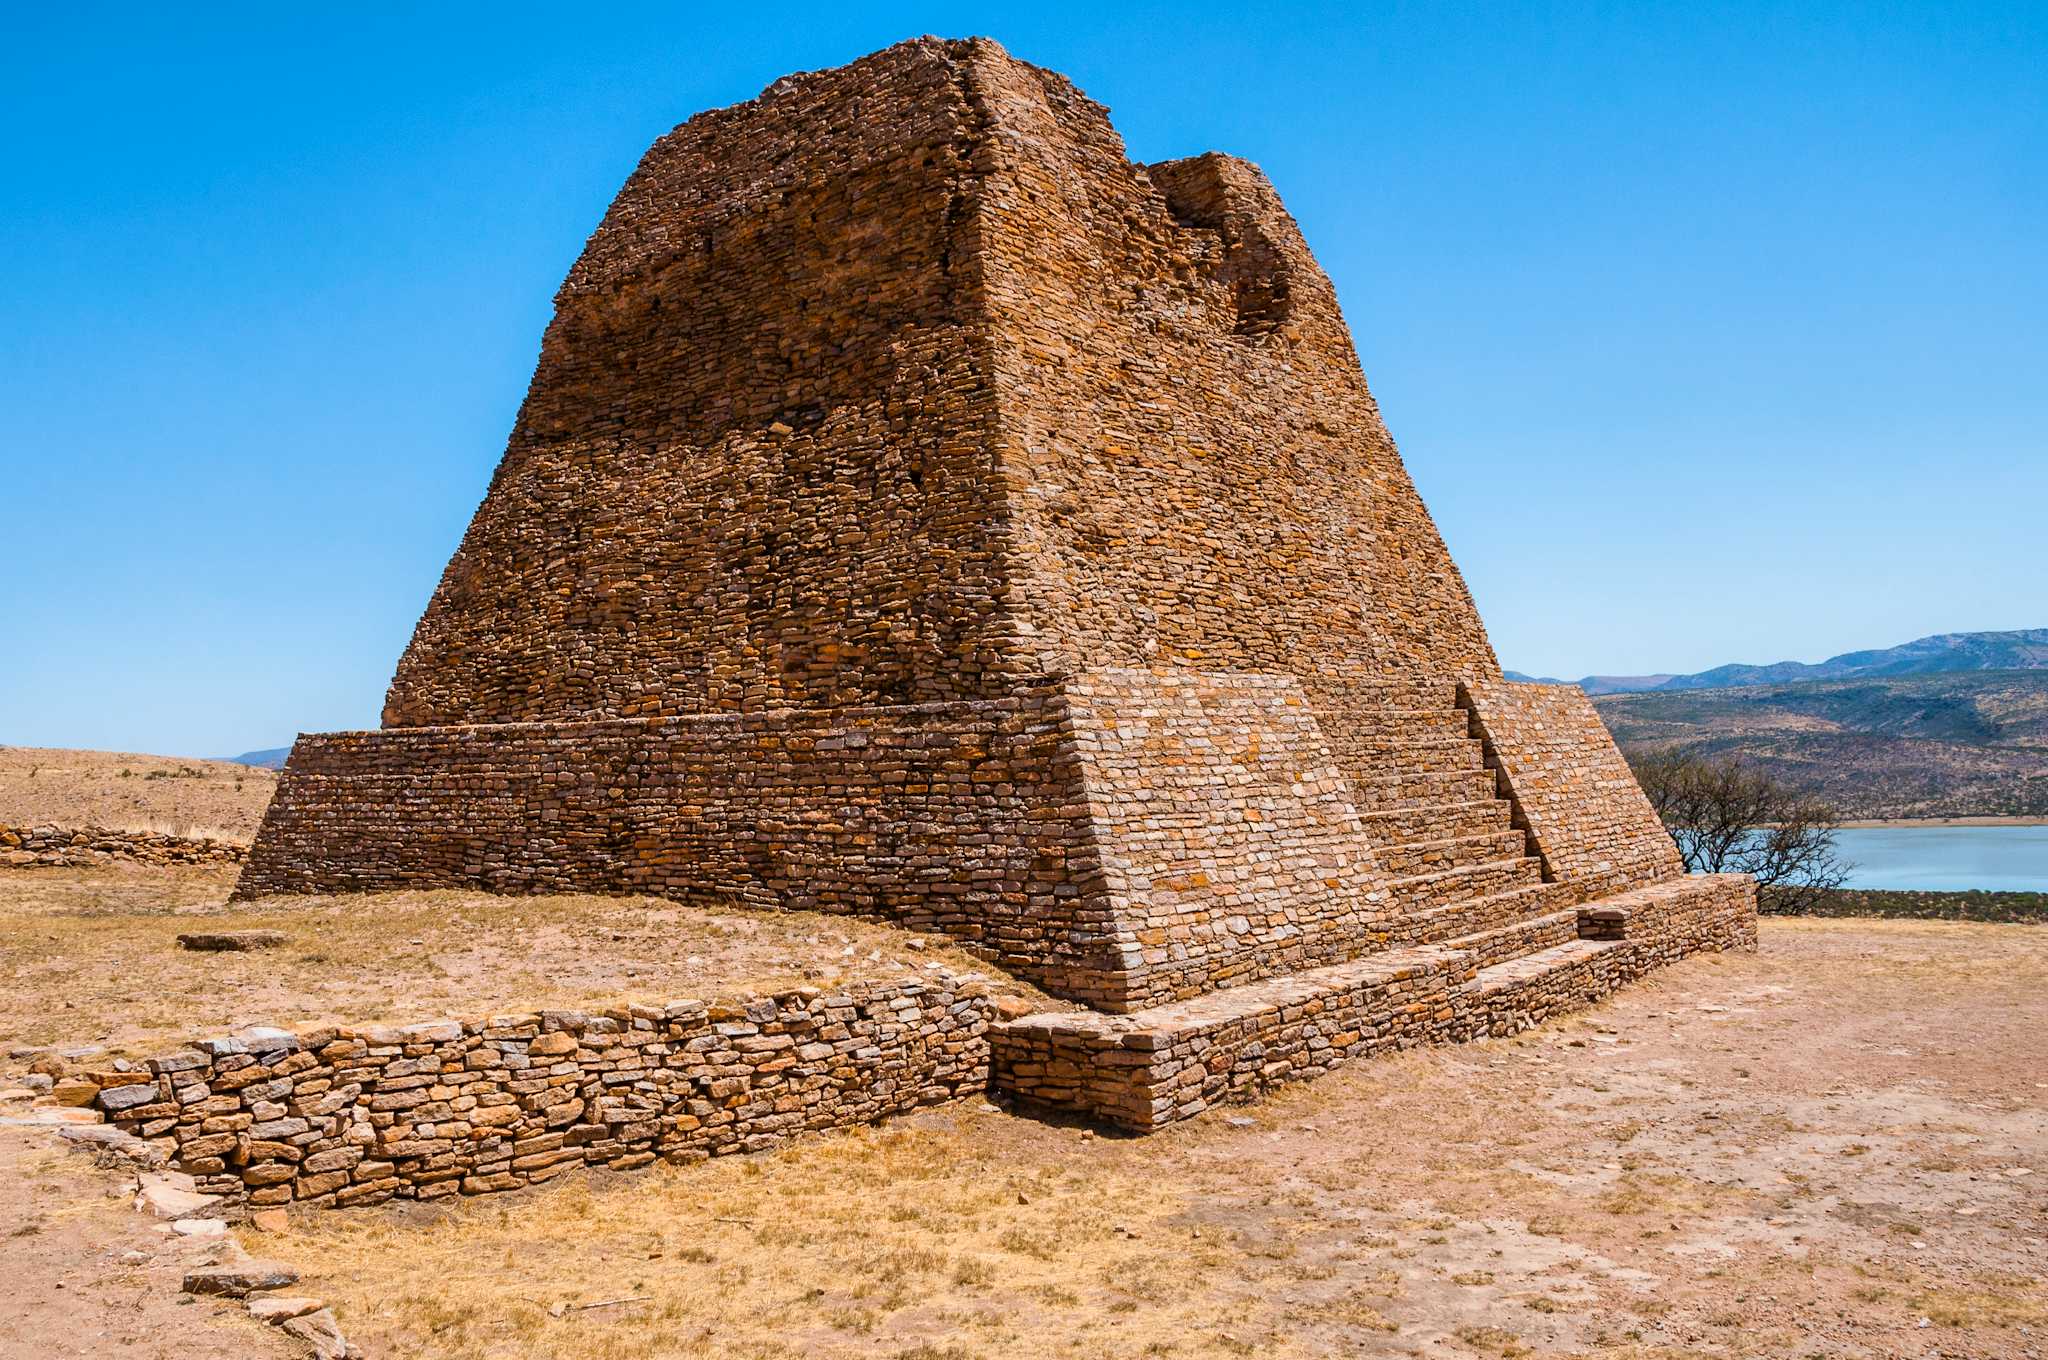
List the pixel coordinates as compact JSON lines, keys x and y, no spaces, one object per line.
{"x":338,"y":1117}
{"x":61,"y":847}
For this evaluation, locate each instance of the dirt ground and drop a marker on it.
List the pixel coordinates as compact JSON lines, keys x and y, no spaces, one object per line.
{"x":1835,"y":1147}
{"x":91,"y":956}
{"x":82,"y":1274}
{"x":210,"y":799}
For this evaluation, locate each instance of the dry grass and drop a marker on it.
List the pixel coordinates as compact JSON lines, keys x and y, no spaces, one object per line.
{"x":207,"y":799}
{"x":1938,"y":955}
{"x":903,"y":1241}
{"x":91,"y":956}
{"x":1994,"y":1303}
{"x":1659,"y":1177}
{"x":1807,"y":1152}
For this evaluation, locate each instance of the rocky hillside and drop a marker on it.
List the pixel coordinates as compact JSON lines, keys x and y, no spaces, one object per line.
{"x":1943,"y":653}
{"x":1968,"y":743}
{"x":270,"y":759}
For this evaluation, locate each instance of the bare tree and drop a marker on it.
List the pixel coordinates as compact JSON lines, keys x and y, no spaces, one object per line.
{"x":1727,"y":817}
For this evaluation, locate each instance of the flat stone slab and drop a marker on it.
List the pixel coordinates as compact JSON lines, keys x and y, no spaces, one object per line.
{"x":276,"y":1308}
{"x":231,"y":941}
{"x":321,"y":1334}
{"x":200,"y":1227}
{"x":77,"y":1091}
{"x":236,"y":1279}
{"x":171,"y":1194}
{"x":115,"y":1140}
{"x":54,"y":1114}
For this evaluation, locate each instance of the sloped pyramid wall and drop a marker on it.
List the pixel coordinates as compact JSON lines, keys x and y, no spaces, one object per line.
{"x":1199,"y":475}
{"x":900,"y":383}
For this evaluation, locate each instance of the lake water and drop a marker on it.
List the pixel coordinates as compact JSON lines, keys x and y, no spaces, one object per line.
{"x":1994,"y":858}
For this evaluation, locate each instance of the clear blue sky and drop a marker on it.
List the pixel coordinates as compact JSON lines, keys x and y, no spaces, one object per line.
{"x":1710,"y":332}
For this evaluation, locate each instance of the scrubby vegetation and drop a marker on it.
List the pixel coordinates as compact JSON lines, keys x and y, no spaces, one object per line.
{"x":1727,"y":817}
{"x":1952,"y":745}
{"x":162,"y":795}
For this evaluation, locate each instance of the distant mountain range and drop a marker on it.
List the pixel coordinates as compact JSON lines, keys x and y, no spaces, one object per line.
{"x":2020,"y":650}
{"x":273,"y":759}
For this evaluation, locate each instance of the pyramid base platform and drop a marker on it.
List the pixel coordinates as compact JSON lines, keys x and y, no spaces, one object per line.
{"x":1144,"y":1070}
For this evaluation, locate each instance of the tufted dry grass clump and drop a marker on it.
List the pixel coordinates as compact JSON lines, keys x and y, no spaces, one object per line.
{"x":907,"y":1240}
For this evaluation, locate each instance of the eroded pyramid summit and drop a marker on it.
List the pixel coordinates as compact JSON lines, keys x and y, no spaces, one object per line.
{"x":901,"y":383}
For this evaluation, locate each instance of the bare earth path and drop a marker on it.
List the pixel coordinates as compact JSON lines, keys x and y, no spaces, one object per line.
{"x":1835,"y":1148}
{"x":82,"y":1274}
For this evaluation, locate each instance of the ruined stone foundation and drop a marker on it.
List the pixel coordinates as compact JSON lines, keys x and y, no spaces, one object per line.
{"x":921,"y":511}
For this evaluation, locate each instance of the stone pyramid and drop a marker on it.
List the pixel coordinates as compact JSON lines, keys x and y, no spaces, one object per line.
{"x":920,"y":510}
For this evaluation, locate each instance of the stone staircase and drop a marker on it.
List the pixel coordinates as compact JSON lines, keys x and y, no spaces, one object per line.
{"x":1461,"y":871}
{"x":1484,"y":945}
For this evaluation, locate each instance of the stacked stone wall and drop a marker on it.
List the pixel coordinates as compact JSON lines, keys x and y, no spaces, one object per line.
{"x":349,"y":1116}
{"x":1229,"y":844}
{"x":962,"y":819}
{"x":1189,"y":1057}
{"x":1200,"y":474}
{"x":1691,"y":914}
{"x":1175,"y":1062}
{"x":1123,"y":838}
{"x":1573,"y":792}
{"x":32,"y":847}
{"x":752,"y":467}
{"x":1656,"y":925}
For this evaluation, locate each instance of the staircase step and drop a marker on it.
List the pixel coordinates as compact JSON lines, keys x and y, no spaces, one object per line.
{"x":1388,"y":694}
{"x":1397,"y":826}
{"x":1519,"y":938}
{"x":1378,"y":792}
{"x":1491,"y":910}
{"x":1530,"y":968}
{"x":1349,"y":723}
{"x":1450,"y":852}
{"x":1420,"y":892}
{"x":1402,"y":754}
{"x":1148,"y":1068}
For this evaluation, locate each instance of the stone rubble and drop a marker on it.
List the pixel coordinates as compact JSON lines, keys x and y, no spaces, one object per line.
{"x":57,"y":847}
{"x":237,"y":1277}
{"x":172,"y":1194}
{"x":231,"y":941}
